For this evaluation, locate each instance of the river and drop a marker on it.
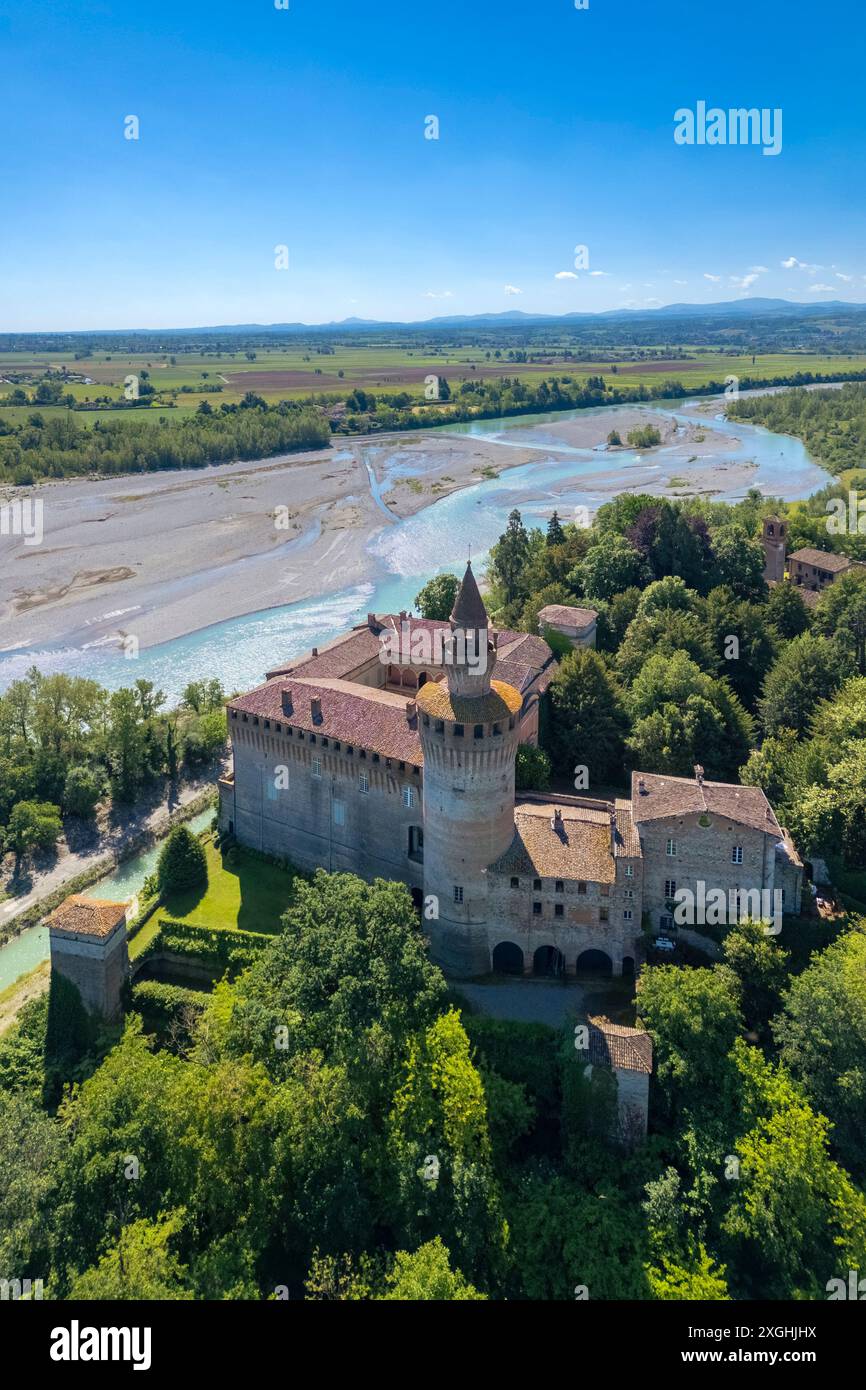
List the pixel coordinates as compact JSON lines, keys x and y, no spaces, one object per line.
{"x":405,"y":553}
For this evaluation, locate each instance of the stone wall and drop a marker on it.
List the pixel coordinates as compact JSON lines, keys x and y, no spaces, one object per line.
{"x":702,"y":852}
{"x":322,"y":819}
{"x":97,"y":966}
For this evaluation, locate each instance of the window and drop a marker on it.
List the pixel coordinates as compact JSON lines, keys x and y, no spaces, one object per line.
{"x":581,"y":888}
{"x":273,"y":792}
{"x":602,"y":914}
{"x":363,"y":782}
{"x":458,"y":893}
{"x":671,"y":848}
{"x":478,"y":731}
{"x":559,"y":886}
{"x":458,"y":730}
{"x":317,"y":767}
{"x":737,"y":854}
{"x":536,"y":885}
{"x":409,"y":797}
{"x":515,"y":883}
{"x":416,"y":844}
{"x":629,"y":871}
{"x":627,"y":915}
{"x":628,"y":893}
{"x":339,"y":811}
{"x":666,"y":923}
{"x":536,"y":909}
{"x":670,"y":887}
{"x":558,"y":910}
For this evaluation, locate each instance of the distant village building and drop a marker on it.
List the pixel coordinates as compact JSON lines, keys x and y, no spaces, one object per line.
{"x":577,"y":624}
{"x":348,"y":760}
{"x":810,"y":570}
{"x":89,"y":947}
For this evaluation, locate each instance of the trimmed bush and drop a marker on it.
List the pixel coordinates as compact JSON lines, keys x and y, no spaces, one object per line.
{"x":182,"y":863}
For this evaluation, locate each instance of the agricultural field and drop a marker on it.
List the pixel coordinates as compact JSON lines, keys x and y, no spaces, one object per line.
{"x":181,"y":381}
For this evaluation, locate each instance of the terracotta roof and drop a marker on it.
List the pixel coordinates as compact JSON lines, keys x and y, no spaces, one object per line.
{"x":437,"y":700}
{"x":581,"y":850}
{"x":338,"y":658}
{"x":469,"y":610}
{"x":569,"y":617}
{"x":367,"y":718}
{"x":614,"y":1045}
{"x":821,"y":559}
{"x":87,"y":916}
{"x":654,"y":797}
{"x":628,"y":840}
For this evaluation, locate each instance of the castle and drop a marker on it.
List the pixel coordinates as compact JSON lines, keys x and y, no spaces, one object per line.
{"x":372,"y":757}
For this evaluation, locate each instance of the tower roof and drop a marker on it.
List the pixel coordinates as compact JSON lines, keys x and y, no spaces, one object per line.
{"x":469,"y":610}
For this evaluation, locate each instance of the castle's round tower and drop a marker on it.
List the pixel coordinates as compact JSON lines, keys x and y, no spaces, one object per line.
{"x":470,"y":727}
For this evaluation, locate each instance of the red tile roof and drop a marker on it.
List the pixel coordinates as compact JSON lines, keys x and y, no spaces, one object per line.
{"x":580,"y":618}
{"x":821,"y":559}
{"x":614,"y":1045}
{"x":366,"y":718}
{"x":654,"y":797}
{"x":87,"y":916}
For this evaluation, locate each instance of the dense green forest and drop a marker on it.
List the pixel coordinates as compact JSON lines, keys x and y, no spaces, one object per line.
{"x":62,"y":448}
{"x":697,"y":661}
{"x":832,"y":424}
{"x":331,"y":1126}
{"x":67,"y":744}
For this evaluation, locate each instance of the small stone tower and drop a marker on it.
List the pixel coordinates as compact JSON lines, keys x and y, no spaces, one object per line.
{"x":88,"y":945}
{"x":469,"y":726}
{"x":775,"y":542}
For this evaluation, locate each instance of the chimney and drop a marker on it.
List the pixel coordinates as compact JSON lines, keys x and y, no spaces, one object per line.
{"x":371,"y":622}
{"x":699,"y":774}
{"x":641,"y":786}
{"x":315,"y":651}
{"x":411,"y":710}
{"x":403,"y":615}
{"x":614,"y":834}
{"x":288,"y":706}
{"x":558,"y":824}
{"x":495,"y":636}
{"x":316,"y":709}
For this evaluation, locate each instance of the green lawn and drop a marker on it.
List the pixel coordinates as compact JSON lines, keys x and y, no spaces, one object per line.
{"x":247,"y":894}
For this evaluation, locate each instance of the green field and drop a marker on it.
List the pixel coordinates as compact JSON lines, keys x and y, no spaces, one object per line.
{"x":243,"y":892}
{"x":296,"y":373}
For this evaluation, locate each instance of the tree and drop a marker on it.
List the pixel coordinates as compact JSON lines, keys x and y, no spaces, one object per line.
{"x":821,"y":1036}
{"x":182,"y":864}
{"x":137,"y":1266}
{"x":609,"y":568}
{"x":667,"y":632}
{"x":808,"y":670}
{"x":436,"y":600}
{"x":555,"y":533}
{"x":82,"y":791}
{"x":693,"y":1017}
{"x":587,"y":721}
{"x":508,"y":556}
{"x":841,"y":613}
{"x":739,"y":561}
{"x":761,"y":968}
{"x":786,"y":610}
{"x":33,"y":825}
{"x":427,"y":1276}
{"x":532,"y":770}
{"x":681,"y":716}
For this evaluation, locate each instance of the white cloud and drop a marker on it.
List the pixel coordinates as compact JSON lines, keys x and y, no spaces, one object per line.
{"x":744,"y":282}
{"x":792,"y":263}
{"x":565,"y":275}
{"x":846,"y":278}
{"x":512,"y":289}
{"x":681,"y":282}
{"x":821,"y":289}
{"x":715,"y":278}
{"x":605,"y":273}
{"x":439,"y":294}
{"x":758,"y":270}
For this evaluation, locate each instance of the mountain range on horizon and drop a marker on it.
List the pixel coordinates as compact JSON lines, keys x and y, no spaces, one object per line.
{"x":733,"y":309}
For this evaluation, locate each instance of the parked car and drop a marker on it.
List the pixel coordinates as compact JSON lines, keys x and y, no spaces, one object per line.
{"x":664,"y":943}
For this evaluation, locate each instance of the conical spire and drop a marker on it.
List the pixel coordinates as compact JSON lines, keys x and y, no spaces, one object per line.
{"x":469,"y":610}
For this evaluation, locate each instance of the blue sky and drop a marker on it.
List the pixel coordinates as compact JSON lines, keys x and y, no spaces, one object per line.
{"x":305,"y":128}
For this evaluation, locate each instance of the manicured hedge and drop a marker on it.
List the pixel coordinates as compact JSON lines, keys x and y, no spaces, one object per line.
{"x":163,"y":1003}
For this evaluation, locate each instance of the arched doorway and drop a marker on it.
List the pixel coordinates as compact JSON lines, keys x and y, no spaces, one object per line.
{"x":594,"y":963}
{"x":508,"y":958}
{"x":548,"y":961}
{"x":628,"y":966}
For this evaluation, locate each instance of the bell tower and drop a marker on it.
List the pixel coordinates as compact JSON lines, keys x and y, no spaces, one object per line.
{"x":470,"y":727}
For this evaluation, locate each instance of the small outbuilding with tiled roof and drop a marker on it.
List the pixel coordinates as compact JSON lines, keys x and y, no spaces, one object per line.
{"x":87,"y":938}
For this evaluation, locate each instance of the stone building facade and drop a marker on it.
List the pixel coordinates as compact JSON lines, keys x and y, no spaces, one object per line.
{"x":577,"y":624}
{"x":88,"y":946}
{"x":351,"y":761}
